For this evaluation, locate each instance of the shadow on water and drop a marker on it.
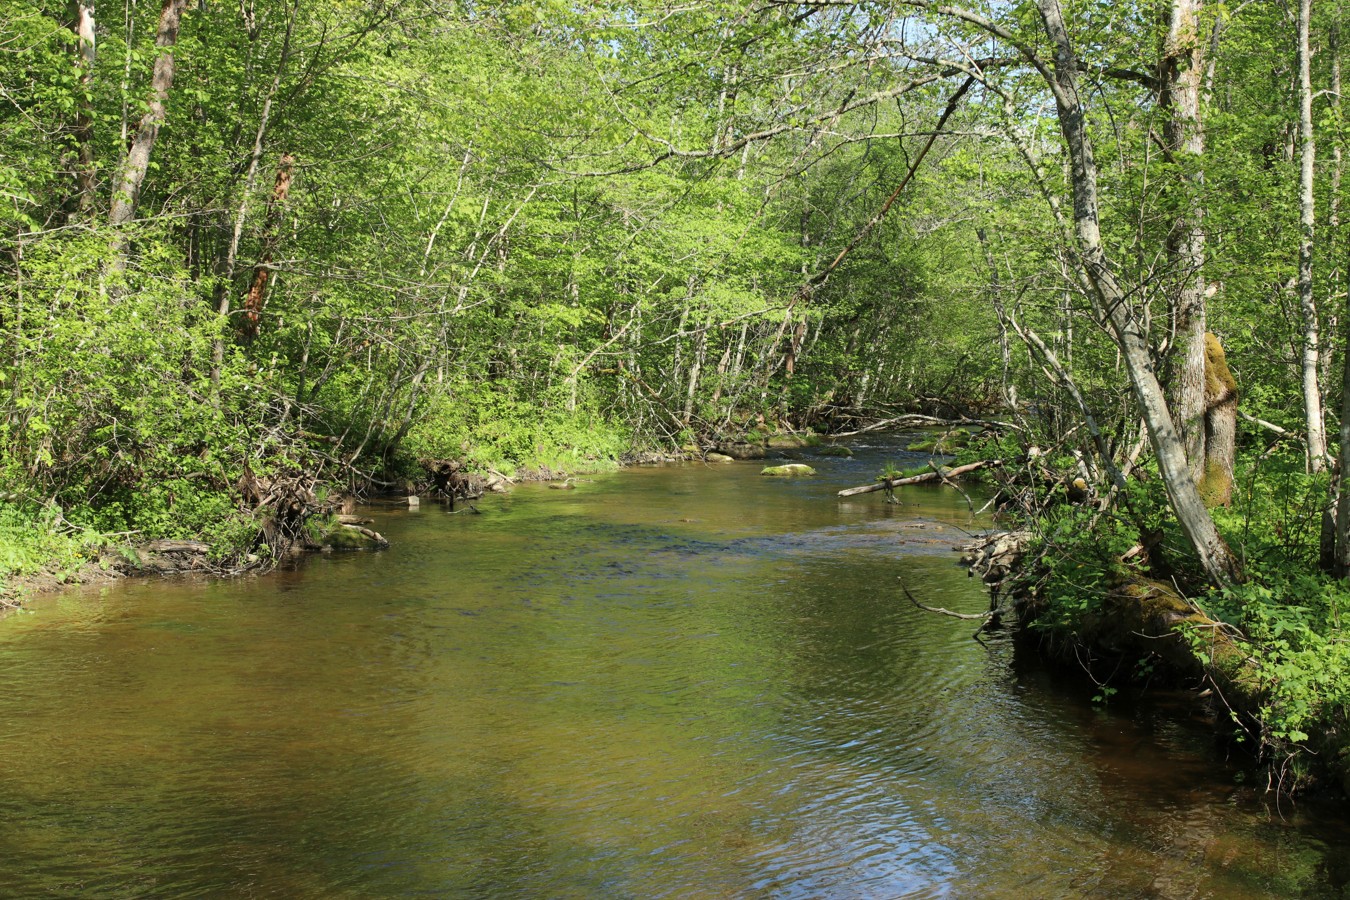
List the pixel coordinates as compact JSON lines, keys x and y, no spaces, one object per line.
{"x":670,"y":682}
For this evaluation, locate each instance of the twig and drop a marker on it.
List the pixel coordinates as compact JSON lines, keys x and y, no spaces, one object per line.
{"x":983,"y":617}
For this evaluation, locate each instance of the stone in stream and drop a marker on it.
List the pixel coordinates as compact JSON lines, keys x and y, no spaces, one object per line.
{"x":834,"y":450}
{"x":717,"y":458}
{"x":742,"y":450}
{"x":352,"y":537}
{"x":791,"y":470}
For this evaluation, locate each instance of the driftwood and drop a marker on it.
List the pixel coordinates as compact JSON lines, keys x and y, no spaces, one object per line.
{"x":450,"y":480}
{"x":935,"y":475}
{"x":175,"y":547}
{"x":995,"y":556}
{"x":345,"y":519}
{"x":974,"y":617}
{"x":914,"y":420}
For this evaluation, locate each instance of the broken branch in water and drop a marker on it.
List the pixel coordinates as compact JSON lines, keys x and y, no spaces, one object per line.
{"x":982,"y":617}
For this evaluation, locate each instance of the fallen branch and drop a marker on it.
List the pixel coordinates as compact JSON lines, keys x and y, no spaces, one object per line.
{"x":935,"y":475}
{"x":373,"y":536}
{"x":982,"y":617}
{"x":914,"y":420}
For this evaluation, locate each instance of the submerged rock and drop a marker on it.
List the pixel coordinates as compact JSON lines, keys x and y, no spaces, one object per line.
{"x":834,"y":450}
{"x":791,"y":470}
{"x":742,"y":451}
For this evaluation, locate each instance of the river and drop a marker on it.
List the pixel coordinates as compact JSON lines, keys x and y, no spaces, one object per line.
{"x":679,"y":681}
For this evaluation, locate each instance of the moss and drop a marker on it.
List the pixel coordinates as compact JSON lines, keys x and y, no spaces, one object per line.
{"x":791,"y":470}
{"x":1216,"y":485}
{"x":834,"y":450}
{"x":793,"y":441}
{"x":1219,"y":381}
{"x":342,"y":537}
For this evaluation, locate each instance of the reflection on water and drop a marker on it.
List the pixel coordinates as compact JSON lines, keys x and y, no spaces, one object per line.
{"x":672,"y":682}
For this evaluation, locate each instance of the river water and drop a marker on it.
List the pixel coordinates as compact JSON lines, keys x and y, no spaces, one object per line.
{"x":685,"y":681}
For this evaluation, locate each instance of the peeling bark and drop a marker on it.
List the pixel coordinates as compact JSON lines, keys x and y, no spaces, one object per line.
{"x":1221,"y":399}
{"x":257,"y":292}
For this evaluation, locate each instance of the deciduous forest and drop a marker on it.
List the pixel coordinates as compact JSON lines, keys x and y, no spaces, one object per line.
{"x":254,"y":255}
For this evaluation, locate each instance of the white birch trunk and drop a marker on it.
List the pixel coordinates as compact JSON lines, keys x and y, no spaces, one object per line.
{"x":1215,"y":557}
{"x":1312,"y":394}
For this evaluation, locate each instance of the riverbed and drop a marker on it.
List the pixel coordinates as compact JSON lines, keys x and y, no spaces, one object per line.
{"x":679,"y":681}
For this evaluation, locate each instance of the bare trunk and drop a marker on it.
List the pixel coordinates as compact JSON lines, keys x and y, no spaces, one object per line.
{"x":85,"y":180}
{"x":1312,"y":395}
{"x":1221,"y":399}
{"x":700,"y":352}
{"x":127,"y":188}
{"x":1007,"y":388}
{"x":1184,"y":133}
{"x":1113,"y":305}
{"x":1342,"y":546}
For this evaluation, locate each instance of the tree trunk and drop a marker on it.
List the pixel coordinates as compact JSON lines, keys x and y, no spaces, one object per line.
{"x":700,"y":352}
{"x":262,"y":271}
{"x":1312,"y":395}
{"x":1221,"y":399}
{"x":1342,"y":545}
{"x":1113,"y":305}
{"x":225,"y":283}
{"x":1184,"y":134}
{"x":127,"y":188}
{"x":85,"y":179}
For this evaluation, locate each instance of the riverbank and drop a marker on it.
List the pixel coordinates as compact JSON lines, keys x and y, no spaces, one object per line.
{"x":1275,"y":689}
{"x":41,"y":552}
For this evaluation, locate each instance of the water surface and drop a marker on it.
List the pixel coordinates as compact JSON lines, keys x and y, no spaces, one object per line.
{"x":682,"y":682}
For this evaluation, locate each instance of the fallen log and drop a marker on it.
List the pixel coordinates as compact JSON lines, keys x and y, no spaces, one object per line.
{"x":935,"y":475}
{"x":175,"y":547}
{"x":914,"y":420}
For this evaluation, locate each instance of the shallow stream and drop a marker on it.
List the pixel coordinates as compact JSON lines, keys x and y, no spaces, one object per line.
{"x":684,"y":681}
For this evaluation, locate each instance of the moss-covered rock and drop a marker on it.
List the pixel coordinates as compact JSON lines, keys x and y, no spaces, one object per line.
{"x":352,"y":537}
{"x":791,"y":470}
{"x":793,"y":441}
{"x":834,"y":450}
{"x":715,"y":457}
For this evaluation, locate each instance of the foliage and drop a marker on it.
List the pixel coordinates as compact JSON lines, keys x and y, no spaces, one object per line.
{"x":37,"y":539}
{"x":490,"y":427}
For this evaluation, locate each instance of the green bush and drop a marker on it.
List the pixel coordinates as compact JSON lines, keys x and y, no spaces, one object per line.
{"x":34,"y":539}
{"x":490,"y":426}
